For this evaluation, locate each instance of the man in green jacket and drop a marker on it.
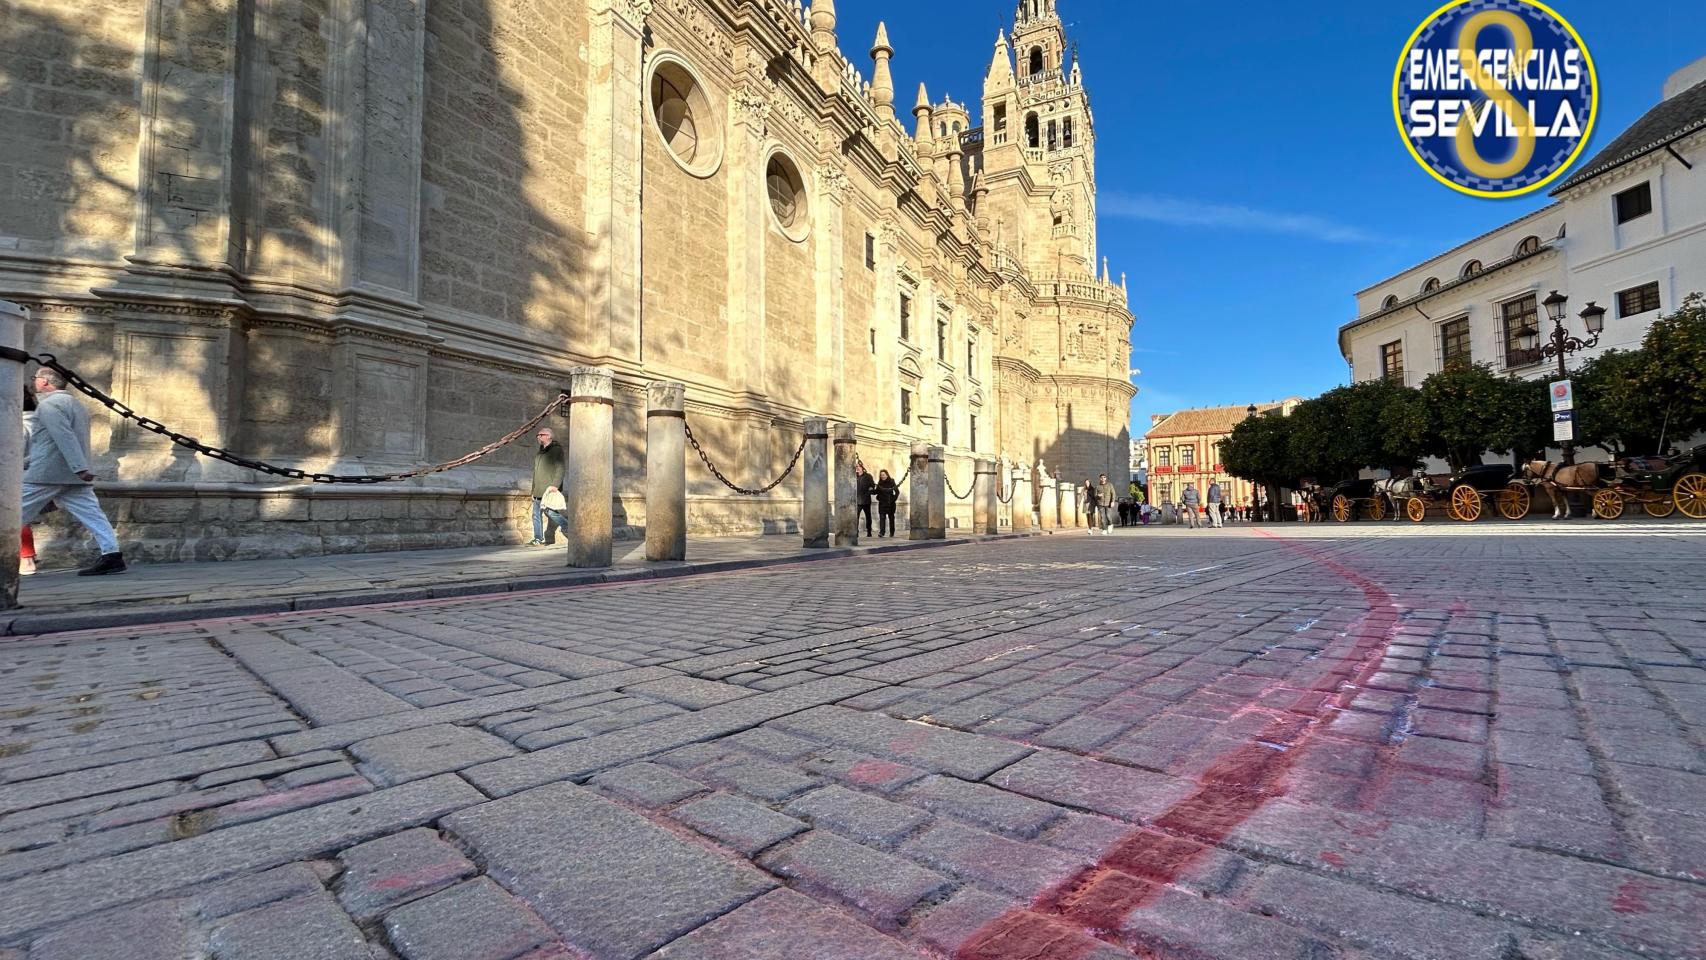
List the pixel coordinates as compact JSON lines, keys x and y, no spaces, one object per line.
{"x":549,"y":466}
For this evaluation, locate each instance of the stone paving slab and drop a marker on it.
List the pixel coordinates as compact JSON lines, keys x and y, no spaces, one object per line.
{"x":57,"y":601}
{"x":1375,"y":742}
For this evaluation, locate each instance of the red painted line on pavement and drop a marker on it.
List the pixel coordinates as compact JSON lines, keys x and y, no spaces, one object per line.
{"x":1060,"y":924}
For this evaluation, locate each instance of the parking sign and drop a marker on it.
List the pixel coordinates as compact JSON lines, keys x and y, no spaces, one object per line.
{"x":1564,"y":425}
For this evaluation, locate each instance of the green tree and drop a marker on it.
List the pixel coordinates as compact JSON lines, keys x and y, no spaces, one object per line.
{"x":1259,"y":450}
{"x":1521,"y":418}
{"x":1321,"y":444}
{"x":1406,"y":434}
{"x":1462,"y":406}
{"x":1613,"y":409}
{"x":1675,"y":346}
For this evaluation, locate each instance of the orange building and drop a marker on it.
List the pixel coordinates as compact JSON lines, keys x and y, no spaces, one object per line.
{"x":1184,"y":450}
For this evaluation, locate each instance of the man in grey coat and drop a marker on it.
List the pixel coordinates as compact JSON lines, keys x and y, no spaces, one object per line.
{"x":56,"y":469}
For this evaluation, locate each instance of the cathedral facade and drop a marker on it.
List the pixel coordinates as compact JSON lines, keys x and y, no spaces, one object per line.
{"x":360,"y":236}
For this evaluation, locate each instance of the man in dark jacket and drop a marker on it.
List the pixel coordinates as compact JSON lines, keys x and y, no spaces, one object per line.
{"x":548,"y":468}
{"x":867,"y":487}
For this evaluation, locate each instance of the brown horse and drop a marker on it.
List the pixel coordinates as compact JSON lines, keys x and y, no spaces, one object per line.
{"x":1556,"y":478}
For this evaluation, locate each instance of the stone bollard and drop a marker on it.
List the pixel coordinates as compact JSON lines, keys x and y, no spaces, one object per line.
{"x":918,"y":494}
{"x":1069,"y":505}
{"x":814,"y":505}
{"x":1022,"y":497}
{"x":985,"y":507}
{"x":666,"y":471}
{"x":12,"y":320}
{"x":846,"y":486}
{"x":589,"y":484}
{"x":1048,"y":502}
{"x":938,"y":494}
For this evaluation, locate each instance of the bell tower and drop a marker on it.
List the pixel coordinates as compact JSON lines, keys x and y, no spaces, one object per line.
{"x":1037,"y":118}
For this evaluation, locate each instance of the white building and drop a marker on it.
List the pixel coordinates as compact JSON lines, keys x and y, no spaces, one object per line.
{"x":1628,"y":232}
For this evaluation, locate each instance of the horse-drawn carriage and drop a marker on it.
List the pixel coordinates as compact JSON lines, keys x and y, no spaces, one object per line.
{"x":1661,"y":485}
{"x":1461,"y":496}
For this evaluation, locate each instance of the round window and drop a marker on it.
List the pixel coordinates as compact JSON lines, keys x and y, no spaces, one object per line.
{"x":683,"y":118}
{"x":787,"y":190}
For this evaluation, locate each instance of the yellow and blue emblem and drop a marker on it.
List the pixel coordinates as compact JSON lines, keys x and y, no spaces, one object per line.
{"x":1495,"y":98}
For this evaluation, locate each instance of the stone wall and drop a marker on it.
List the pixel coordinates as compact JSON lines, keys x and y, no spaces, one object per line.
{"x":363,"y":238}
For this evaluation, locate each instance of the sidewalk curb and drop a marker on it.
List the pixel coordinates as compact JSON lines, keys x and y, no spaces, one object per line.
{"x":23,"y":624}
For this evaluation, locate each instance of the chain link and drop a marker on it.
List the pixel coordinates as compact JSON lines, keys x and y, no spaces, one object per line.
{"x":743,"y":491}
{"x":1012,"y":488}
{"x":958,"y":495}
{"x":49,"y":361}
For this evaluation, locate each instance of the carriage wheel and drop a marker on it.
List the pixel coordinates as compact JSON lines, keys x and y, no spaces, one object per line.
{"x":1416,"y":509}
{"x":1659,"y":508}
{"x":1451,"y":508}
{"x":1608,"y":505}
{"x":1467,"y":500}
{"x":1689,"y":494}
{"x":1341,"y":508}
{"x":1514,"y":501}
{"x":1377,"y":508}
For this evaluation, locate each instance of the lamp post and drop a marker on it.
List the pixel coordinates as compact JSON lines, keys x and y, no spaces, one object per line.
{"x":1562,"y":343}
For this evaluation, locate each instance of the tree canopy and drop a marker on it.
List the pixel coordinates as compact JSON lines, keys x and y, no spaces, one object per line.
{"x":1630,"y":402}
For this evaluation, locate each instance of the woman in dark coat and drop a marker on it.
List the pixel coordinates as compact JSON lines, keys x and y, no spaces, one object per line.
{"x":887,"y":493}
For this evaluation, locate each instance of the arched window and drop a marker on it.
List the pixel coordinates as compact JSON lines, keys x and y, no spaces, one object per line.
{"x":956,"y":126}
{"x":1430,"y":285}
{"x":1471,"y":268}
{"x":1032,"y":139}
{"x":1529,"y":244}
{"x":944,"y":130}
{"x":1053,"y":136}
{"x":1066,"y":133}
{"x":1036,"y":61}
{"x":1390,"y":301}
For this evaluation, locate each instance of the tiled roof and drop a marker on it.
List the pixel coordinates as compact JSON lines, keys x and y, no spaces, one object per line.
{"x":1207,"y":421}
{"x":1668,"y":122}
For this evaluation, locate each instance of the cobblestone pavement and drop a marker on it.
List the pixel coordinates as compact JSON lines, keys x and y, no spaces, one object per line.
{"x":1295,"y":743}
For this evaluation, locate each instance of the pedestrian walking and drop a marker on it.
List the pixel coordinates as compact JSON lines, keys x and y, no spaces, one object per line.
{"x":866,"y":487}
{"x":1214,"y":518}
{"x":26,"y":536}
{"x":1089,"y":494}
{"x":1188,"y":503}
{"x":56,"y":470}
{"x":888,"y":492}
{"x":1105,"y":498}
{"x":549,"y":467}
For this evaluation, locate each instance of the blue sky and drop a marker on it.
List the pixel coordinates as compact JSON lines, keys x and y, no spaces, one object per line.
{"x":1250,"y":175}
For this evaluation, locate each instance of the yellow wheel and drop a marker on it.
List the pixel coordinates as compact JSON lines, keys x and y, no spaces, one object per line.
{"x":1377,"y":508}
{"x":1416,"y":509}
{"x":1689,"y":495}
{"x":1659,"y":508}
{"x":1467,"y":500}
{"x":1341,"y":509}
{"x":1514,"y":501}
{"x":1608,"y":505}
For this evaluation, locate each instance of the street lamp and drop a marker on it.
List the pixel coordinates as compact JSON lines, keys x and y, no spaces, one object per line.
{"x":1250,"y":410}
{"x":1562,"y":343}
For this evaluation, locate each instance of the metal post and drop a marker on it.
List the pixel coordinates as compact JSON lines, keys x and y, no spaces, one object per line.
{"x":1559,"y":338}
{"x":938,"y":494}
{"x":666,"y":471}
{"x":918,"y":496}
{"x":1022,"y":497}
{"x":985,"y":507}
{"x":814,"y":508}
{"x":846,"y":486}
{"x":590,"y":481}
{"x":12,"y":319}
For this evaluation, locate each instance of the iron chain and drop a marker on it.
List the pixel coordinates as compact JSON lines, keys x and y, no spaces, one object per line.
{"x":1012,"y":488}
{"x":958,"y":495}
{"x":743,"y":491}
{"x":49,"y":361}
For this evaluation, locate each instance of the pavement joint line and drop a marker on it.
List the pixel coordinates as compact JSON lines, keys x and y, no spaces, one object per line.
{"x":1234,"y":788}
{"x":28,"y":626}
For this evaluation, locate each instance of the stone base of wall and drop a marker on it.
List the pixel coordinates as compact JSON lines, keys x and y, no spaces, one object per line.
{"x":182,"y":522}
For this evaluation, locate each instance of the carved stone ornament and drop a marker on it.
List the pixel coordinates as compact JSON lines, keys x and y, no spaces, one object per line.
{"x":751,"y":105}
{"x":834,"y":184}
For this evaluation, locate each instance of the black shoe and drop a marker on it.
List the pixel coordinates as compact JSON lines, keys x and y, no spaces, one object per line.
{"x":108,"y":563}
